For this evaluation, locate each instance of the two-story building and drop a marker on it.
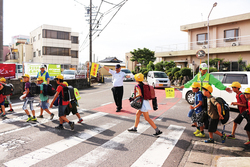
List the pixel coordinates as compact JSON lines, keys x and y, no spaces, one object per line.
{"x":229,"y":39}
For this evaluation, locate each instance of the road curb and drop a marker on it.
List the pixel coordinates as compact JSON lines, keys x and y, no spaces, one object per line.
{"x":186,"y":154}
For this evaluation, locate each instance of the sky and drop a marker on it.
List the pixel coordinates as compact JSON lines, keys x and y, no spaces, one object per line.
{"x":138,"y":24}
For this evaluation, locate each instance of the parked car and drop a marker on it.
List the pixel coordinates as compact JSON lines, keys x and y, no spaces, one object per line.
{"x":158,"y":79}
{"x":227,"y":78}
{"x":69,"y":74}
{"x":128,"y":72}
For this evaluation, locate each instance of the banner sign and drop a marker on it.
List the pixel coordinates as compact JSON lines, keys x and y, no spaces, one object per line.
{"x":54,"y":69}
{"x":170,"y":93}
{"x":33,"y":69}
{"x":7,"y":71}
{"x":94,"y":68}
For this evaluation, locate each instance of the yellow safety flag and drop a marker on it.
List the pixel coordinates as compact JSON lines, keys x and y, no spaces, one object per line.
{"x":94,"y":68}
{"x":170,"y":93}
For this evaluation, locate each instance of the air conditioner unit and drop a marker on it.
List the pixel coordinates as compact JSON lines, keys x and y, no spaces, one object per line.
{"x":204,"y":47}
{"x":235,"y":44}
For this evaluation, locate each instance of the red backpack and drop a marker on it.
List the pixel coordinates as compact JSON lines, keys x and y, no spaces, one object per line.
{"x":149,"y":92}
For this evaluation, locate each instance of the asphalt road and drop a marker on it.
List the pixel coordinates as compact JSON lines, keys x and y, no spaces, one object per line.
{"x":102,"y":139}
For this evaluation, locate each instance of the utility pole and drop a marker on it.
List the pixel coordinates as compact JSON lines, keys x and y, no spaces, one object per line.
{"x":90,"y":31}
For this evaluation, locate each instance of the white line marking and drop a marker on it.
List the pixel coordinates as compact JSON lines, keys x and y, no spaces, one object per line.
{"x":106,"y":103}
{"x":85,"y":119}
{"x":57,"y":147}
{"x":101,"y":153}
{"x":158,"y":152}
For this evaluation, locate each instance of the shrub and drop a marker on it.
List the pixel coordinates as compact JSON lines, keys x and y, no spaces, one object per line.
{"x":133,"y":72}
{"x":175,"y":69}
{"x":212,"y":69}
{"x":185,"y":71}
{"x":247,"y":68}
{"x":145,"y":73}
{"x":177,"y":74}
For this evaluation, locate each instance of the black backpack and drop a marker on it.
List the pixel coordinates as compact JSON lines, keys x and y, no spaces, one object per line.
{"x":48,"y":90}
{"x":34,"y":89}
{"x":7,"y":89}
{"x":65,"y":93}
{"x":224,"y":109}
{"x":71,"y":93}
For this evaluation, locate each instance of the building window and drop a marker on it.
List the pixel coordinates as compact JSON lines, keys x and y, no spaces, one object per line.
{"x":39,"y":53}
{"x":39,"y":36}
{"x":74,"y":54}
{"x":56,"y":51}
{"x":34,"y":54}
{"x":201,"y":39}
{"x":231,"y":35}
{"x":56,"y":34}
{"x":74,"y":39}
{"x":34,"y":39}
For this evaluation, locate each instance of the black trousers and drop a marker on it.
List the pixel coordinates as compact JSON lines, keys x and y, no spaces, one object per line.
{"x":118,"y":94}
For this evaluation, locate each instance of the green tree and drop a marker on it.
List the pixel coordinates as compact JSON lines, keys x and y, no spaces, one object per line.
{"x":169,"y":64}
{"x":151,"y":66}
{"x":159,"y":66}
{"x":143,"y":56}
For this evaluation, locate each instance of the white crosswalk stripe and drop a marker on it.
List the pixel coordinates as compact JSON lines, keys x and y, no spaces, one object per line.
{"x":155,"y":155}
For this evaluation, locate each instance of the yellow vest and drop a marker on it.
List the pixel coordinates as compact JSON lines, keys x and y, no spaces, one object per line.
{"x":44,"y":80}
{"x":205,"y":80}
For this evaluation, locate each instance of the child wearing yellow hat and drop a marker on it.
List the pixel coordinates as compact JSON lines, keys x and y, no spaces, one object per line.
{"x":3,"y":80}
{"x":198,"y":114}
{"x":145,"y":107}
{"x":29,"y":98}
{"x":242,"y":106}
{"x":215,"y":115}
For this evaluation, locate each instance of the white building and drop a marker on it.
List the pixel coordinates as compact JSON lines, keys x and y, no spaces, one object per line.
{"x":55,"y":45}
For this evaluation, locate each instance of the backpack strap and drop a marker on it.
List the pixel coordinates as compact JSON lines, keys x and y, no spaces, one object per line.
{"x":60,"y":95}
{"x":137,"y":86}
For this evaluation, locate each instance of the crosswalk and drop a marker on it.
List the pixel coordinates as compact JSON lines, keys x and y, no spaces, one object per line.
{"x":102,"y":137}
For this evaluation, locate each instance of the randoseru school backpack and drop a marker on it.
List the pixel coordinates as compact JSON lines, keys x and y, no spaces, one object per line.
{"x":34,"y":88}
{"x":7,"y":89}
{"x":149,"y":92}
{"x":224,"y":109}
{"x":48,"y":90}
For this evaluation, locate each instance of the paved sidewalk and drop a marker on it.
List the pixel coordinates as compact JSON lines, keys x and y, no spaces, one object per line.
{"x":215,"y":155}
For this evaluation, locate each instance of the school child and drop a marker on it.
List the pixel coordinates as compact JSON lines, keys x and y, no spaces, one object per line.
{"x":198,"y":114}
{"x":62,"y":104}
{"x":2,"y":99}
{"x":29,"y":98}
{"x":145,"y":107}
{"x":73,"y":109}
{"x":44,"y":100}
{"x":3,"y":80}
{"x":242,"y":106}
{"x":246,"y":115}
{"x":215,"y":115}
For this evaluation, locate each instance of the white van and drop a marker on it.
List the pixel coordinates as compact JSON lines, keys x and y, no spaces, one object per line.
{"x":227,"y":78}
{"x":69,"y":74}
{"x":158,"y":79}
{"x":129,"y":73}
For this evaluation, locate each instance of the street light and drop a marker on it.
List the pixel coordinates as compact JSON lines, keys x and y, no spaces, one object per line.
{"x":215,"y":4}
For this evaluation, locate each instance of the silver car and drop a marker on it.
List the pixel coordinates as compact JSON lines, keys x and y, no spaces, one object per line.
{"x":158,"y":79}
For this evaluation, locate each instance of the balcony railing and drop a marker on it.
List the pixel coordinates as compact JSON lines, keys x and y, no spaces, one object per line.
{"x":216,"y":43}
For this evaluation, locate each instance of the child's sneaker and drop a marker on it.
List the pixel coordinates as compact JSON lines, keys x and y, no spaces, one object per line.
{"x":132,"y":130}
{"x":72,"y":125}
{"x":10,"y":110}
{"x":157,"y":133}
{"x":197,"y":132}
{"x":3,"y":115}
{"x":247,"y":143}
{"x":29,"y":119}
{"x":223,"y":138}
{"x":52,"y":116}
{"x":200,"y":135}
{"x":59,"y":127}
{"x":80,"y":120}
{"x":231,"y":136}
{"x":34,"y":119}
{"x":209,"y":141}
{"x":40,"y":116}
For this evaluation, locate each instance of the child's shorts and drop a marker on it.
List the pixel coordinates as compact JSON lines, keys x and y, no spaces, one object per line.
{"x":2,"y":103}
{"x":61,"y":110}
{"x":198,"y":118}
{"x":44,"y":105}
{"x":213,"y":123}
{"x":247,"y":127}
{"x":28,"y":100}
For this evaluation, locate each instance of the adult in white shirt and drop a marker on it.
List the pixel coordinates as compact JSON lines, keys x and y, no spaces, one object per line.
{"x":117,"y":88}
